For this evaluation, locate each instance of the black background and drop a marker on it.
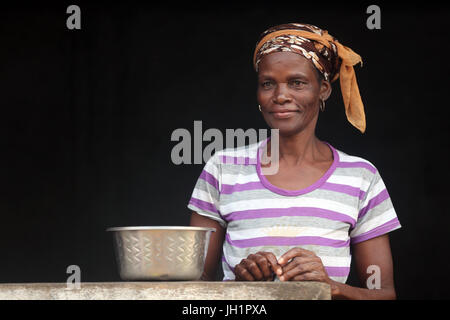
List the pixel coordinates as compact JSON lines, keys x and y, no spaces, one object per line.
{"x":87,"y":117}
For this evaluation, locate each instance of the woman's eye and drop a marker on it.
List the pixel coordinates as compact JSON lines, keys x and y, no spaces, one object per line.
{"x":297,"y":83}
{"x":266,"y":84}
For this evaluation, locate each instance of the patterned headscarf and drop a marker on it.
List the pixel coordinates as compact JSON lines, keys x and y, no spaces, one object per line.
{"x":332,"y":59}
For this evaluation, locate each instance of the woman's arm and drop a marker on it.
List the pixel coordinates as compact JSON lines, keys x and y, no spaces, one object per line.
{"x":373,"y":252}
{"x":215,"y":244}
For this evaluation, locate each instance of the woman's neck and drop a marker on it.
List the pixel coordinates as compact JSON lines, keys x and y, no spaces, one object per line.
{"x":294,"y":149}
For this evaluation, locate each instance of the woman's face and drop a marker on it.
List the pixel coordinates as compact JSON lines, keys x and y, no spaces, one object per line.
{"x":289,"y":92}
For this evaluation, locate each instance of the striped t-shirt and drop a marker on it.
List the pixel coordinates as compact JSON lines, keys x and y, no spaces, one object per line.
{"x":347,"y":205}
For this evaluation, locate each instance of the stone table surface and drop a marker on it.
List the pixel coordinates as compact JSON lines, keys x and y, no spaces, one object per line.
{"x":170,"y":290}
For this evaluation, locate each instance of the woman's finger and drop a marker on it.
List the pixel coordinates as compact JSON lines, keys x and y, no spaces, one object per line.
{"x":263,"y":264}
{"x":300,"y":269}
{"x":242,"y":274}
{"x":292,"y":253}
{"x":276,"y":268}
{"x":252,"y":267}
{"x":295,"y":262}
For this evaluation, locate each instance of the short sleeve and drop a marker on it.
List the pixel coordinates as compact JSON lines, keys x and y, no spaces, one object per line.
{"x":377,"y":215}
{"x":206,"y":195}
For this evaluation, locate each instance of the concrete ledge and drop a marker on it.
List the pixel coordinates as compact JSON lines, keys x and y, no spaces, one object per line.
{"x":192,"y":290}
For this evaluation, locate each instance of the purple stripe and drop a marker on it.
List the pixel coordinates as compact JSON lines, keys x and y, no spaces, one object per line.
{"x":237,"y":160}
{"x":337,"y":271}
{"x":378,"y":231}
{"x":362,"y":194}
{"x":357,"y":164}
{"x":383,"y":195}
{"x":205,"y":175}
{"x":204,"y":205}
{"x":287,"y":241}
{"x":230,"y":188}
{"x":352,"y":191}
{"x":289,"y":212}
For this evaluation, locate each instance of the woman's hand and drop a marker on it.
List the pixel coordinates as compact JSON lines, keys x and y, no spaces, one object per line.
{"x":302,"y":265}
{"x":260,"y":266}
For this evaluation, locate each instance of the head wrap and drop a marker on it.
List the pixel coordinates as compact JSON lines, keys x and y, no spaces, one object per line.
{"x":331,"y":58}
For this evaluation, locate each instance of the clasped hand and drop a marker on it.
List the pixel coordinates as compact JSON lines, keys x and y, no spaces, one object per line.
{"x":297,"y":264}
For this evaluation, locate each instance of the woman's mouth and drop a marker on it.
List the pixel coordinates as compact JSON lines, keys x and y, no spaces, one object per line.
{"x":283,"y":114}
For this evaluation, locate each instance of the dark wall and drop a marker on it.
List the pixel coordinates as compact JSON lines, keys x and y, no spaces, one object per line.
{"x":87,"y":117}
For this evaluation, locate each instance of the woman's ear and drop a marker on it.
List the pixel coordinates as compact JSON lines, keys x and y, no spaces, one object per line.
{"x":325,"y":90}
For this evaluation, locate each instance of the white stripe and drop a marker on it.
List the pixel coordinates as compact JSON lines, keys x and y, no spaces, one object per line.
{"x":348,"y":158}
{"x":355,"y":182}
{"x":288,"y":231}
{"x":339,"y":279}
{"x":232,"y":179}
{"x":289,"y":202}
{"x":373,"y":223}
{"x":211,"y":168}
{"x":330,"y":261}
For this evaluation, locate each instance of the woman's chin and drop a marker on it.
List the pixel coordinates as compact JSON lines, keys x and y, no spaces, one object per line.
{"x":286,"y":129}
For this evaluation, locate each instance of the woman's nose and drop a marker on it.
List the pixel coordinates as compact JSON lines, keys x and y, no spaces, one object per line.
{"x":281,"y":94}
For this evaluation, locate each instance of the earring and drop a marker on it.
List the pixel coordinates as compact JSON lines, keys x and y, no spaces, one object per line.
{"x":259,"y":108}
{"x":322,"y":105}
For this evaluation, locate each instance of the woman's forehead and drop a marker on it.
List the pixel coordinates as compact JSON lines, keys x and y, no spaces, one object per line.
{"x":287,"y":62}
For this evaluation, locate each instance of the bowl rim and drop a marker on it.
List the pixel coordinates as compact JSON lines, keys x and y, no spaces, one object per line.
{"x":143,"y":228}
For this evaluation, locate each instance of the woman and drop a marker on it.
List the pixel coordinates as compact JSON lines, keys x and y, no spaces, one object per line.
{"x":300,"y":223}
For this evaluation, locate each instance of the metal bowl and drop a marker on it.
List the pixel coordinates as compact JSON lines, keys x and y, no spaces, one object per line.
{"x":161,"y":253}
